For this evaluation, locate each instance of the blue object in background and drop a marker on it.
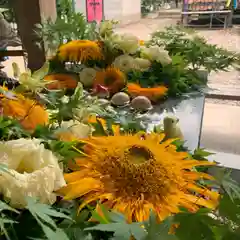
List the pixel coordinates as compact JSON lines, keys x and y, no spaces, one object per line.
{"x":235,"y":4}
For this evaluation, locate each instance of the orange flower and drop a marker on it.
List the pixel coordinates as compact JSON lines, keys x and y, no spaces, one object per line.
{"x":27,"y":111}
{"x":112,"y":78}
{"x":61,"y":80}
{"x":153,"y":94}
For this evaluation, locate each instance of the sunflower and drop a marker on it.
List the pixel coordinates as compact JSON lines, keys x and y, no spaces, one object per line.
{"x":134,"y":174}
{"x":153,"y":94}
{"x":27,"y":111}
{"x":61,"y":80}
{"x":80,"y":51}
{"x":112,"y":78}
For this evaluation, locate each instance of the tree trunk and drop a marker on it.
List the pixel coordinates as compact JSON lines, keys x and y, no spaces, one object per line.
{"x":27,"y":13}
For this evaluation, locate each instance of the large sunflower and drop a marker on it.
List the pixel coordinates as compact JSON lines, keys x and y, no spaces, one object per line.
{"x":80,"y":51}
{"x":112,"y":78}
{"x":133,"y":174}
{"x":27,"y":111}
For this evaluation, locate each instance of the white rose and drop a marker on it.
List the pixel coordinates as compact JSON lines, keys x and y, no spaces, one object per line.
{"x":127,"y":43}
{"x":157,"y":54}
{"x":32,"y":171}
{"x":125,"y":63}
{"x":75,"y":128}
{"x":87,"y":76}
{"x":142,"y":64}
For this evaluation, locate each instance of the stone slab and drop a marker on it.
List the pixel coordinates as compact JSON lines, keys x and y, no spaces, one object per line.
{"x":228,"y":92}
{"x":220,"y":130}
{"x":190,"y":114}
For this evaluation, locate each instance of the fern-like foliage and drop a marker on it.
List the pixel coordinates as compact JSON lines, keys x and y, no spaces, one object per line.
{"x":69,"y":25}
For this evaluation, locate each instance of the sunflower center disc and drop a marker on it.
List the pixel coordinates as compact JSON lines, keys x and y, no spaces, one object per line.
{"x":138,"y":154}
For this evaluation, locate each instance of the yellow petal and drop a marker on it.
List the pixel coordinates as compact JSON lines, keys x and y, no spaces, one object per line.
{"x":189,"y":164}
{"x":79,"y":188}
{"x":200,"y":201}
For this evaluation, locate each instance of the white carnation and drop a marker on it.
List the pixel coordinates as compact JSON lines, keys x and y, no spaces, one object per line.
{"x":157,"y":54}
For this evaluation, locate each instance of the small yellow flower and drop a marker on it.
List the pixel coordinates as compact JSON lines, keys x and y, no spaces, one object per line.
{"x":141,"y":42}
{"x":87,"y":76}
{"x":80,"y":51}
{"x":125,"y":63}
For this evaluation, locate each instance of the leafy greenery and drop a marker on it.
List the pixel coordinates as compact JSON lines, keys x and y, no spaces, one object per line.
{"x":69,"y":25}
{"x":195,"y":50}
{"x":148,"y":6}
{"x":11,"y":129}
{"x":176,"y":76}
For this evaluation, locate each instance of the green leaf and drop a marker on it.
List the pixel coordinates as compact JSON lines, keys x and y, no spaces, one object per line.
{"x":44,"y":214}
{"x":99,"y":129}
{"x":3,"y":168}
{"x":103,"y":217}
{"x":198,"y":224}
{"x":42,"y":72}
{"x":230,"y":236}
{"x":121,"y":230}
{"x":3,"y":222}
{"x":230,"y":186}
{"x":229,"y":209}
{"x":158,"y":231}
{"x":4,"y":206}
{"x":51,"y":234}
{"x":116,"y":217}
{"x":202,"y":153}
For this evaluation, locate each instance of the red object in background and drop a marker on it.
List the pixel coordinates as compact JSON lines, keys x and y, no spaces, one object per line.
{"x":94,"y":10}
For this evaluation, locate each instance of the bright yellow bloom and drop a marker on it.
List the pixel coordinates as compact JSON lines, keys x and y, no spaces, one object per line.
{"x":112,"y":78}
{"x":80,"y":51}
{"x":27,"y":111}
{"x":141,"y":42}
{"x":136,"y":173}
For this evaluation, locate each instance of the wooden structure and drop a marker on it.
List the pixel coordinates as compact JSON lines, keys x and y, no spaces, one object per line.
{"x":211,"y":9}
{"x":28,"y":13}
